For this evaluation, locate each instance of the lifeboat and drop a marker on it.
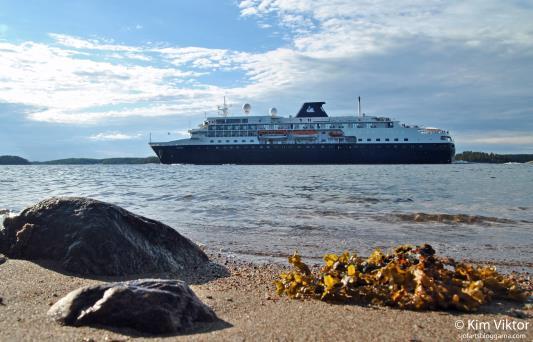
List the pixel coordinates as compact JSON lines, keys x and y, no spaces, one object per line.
{"x":336,"y":133}
{"x":304,"y":133}
{"x":272,"y":133}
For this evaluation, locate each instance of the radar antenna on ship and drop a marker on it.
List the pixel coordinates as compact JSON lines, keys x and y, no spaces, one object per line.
{"x":247,"y":108}
{"x":224,"y":108}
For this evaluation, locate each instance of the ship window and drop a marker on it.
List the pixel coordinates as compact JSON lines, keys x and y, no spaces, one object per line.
{"x":369,"y":139}
{"x":251,"y":141}
{"x":235,"y":141}
{"x":323,"y":140}
{"x":387,"y":139}
{"x":395,"y":139}
{"x":227,"y":141}
{"x":378,"y":139}
{"x":212,"y":141}
{"x":359,"y":139}
{"x":243,"y":140}
{"x":405,"y":139}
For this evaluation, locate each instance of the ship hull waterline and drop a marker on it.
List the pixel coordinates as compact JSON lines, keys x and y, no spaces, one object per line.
{"x":285,"y":154}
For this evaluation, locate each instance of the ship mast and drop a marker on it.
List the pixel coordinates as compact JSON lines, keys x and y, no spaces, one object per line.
{"x":224,"y":108}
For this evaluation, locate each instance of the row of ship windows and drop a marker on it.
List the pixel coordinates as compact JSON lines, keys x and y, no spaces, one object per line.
{"x":298,"y":126}
{"x":254,"y":133}
{"x":323,"y":140}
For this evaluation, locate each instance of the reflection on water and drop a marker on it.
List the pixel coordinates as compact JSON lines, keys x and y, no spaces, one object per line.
{"x":475,"y":211}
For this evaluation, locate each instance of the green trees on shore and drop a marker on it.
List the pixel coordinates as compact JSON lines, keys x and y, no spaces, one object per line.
{"x":13,"y":160}
{"x":482,"y":157}
{"x":107,"y":161}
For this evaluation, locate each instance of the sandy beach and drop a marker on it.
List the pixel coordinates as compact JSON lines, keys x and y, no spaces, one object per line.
{"x":247,"y":306}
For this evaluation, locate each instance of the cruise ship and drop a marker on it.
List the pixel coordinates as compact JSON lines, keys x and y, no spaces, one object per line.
{"x":309,"y":137}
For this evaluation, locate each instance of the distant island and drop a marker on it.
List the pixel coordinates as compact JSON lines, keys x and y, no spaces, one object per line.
{"x":14,"y":160}
{"x":482,"y":157}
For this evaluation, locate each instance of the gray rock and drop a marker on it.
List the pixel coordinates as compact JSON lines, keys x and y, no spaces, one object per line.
{"x":2,"y":259}
{"x":148,"y":305}
{"x":90,"y":237}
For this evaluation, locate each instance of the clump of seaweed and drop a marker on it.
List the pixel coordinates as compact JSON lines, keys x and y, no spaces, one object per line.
{"x":411,"y":277}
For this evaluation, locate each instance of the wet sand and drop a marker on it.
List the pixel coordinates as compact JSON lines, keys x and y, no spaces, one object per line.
{"x":245,"y":302}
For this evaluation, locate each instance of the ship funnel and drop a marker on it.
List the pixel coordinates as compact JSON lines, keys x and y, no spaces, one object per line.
{"x":247,"y":108}
{"x":273,"y":111}
{"x":359,"y":104}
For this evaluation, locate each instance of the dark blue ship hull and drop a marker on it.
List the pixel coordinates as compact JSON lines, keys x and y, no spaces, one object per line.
{"x":439,"y":153}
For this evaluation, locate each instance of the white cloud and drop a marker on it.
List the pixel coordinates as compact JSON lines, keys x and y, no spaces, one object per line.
{"x":338,"y":28}
{"x":111,"y":136}
{"x":90,"y":44}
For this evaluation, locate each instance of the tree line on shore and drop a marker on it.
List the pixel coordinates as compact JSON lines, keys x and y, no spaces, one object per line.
{"x":483,"y":157}
{"x":15,"y":160}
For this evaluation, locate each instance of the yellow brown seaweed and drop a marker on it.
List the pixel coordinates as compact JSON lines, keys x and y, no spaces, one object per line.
{"x":409,"y":278}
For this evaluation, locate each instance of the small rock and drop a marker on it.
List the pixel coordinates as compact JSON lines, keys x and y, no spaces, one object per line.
{"x":2,"y":259}
{"x":229,"y":299}
{"x":153,"y":306}
{"x":517,"y":313}
{"x":209,"y":297}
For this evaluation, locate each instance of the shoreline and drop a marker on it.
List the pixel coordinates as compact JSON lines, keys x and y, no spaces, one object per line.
{"x":245,"y":301}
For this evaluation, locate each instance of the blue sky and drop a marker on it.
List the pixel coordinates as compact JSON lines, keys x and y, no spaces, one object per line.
{"x":95,"y":78}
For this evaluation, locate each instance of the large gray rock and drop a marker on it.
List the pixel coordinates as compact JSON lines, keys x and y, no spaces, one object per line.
{"x":90,"y":237}
{"x":147,"y":305}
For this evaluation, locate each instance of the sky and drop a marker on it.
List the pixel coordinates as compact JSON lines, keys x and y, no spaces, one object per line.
{"x":97,"y":78}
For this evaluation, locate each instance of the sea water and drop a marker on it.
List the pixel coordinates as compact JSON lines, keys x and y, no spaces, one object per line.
{"x":267,"y":212}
